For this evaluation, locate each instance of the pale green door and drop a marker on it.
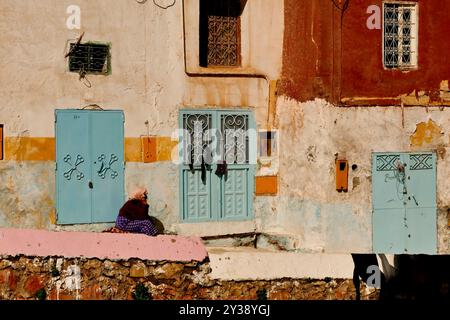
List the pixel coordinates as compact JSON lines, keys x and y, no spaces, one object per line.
{"x":212,"y":137}
{"x":404,"y":203}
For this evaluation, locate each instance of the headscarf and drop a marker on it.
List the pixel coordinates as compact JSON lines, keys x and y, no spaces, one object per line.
{"x":134,"y":208}
{"x":138,"y":193}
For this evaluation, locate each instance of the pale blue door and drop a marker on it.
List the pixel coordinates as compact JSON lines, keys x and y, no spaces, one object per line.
{"x":89,"y":165}
{"x":421,"y":227}
{"x":73,"y":167}
{"x":107,"y":138}
{"x":211,"y":137}
{"x":197,"y":202}
{"x":237,"y":184}
{"x":404,"y":203}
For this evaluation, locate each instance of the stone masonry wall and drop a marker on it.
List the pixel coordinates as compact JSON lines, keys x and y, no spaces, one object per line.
{"x":57,"y":278}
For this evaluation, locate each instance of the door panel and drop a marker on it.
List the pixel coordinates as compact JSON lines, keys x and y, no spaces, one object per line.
{"x":386,"y":188}
{"x":223,"y":196}
{"x":404,"y":182}
{"x":421,"y":231}
{"x":234,"y":191}
{"x":197,"y":195}
{"x":107,"y":165}
{"x":388,"y":231}
{"x":73,"y":168}
{"x":90,"y":168}
{"x":421,"y":180}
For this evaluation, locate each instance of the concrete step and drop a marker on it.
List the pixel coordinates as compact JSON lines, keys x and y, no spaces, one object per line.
{"x":246,"y":263}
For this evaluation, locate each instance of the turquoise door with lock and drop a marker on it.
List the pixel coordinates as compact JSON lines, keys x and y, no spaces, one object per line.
{"x":208,"y":192}
{"x":404,"y":203}
{"x":89,"y":166}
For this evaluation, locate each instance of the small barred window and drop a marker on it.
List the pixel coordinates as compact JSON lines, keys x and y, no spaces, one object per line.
{"x":89,"y":58}
{"x":400,"y":35}
{"x":220,"y":33}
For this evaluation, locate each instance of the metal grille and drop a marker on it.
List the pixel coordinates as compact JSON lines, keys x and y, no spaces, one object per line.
{"x":222,"y":41}
{"x":196,"y":138}
{"x":235,"y":138}
{"x":223,"y":32}
{"x":399,"y":21}
{"x":89,"y":58}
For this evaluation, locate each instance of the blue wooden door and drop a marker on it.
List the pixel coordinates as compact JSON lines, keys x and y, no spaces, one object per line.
{"x":196,"y":173}
{"x":404,"y":203}
{"x":211,"y":137}
{"x":421,"y":220}
{"x":73,"y":169}
{"x":89,"y":165}
{"x":237,"y":185}
{"x":108,"y":164}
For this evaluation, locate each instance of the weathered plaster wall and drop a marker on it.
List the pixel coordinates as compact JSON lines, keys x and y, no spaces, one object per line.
{"x":148,"y":81}
{"x":330,"y":53}
{"x":363,"y":74}
{"x":148,"y":77}
{"x":308,"y":210}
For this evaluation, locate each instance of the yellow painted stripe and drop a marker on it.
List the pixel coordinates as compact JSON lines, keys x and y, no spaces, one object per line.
{"x":133,"y":150}
{"x":29,"y":149}
{"x":43,"y":149}
{"x":164,"y":148}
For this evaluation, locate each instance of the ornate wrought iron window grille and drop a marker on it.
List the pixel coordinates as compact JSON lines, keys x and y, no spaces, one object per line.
{"x":220,"y":30}
{"x":196,"y":139}
{"x":234,"y":139}
{"x":89,"y":58}
{"x":400,"y":35}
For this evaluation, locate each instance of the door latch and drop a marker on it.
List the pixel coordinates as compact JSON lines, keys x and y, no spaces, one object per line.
{"x":91,"y":185}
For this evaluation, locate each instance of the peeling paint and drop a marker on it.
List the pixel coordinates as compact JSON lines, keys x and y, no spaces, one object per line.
{"x":427,"y":134}
{"x":444,"y":91}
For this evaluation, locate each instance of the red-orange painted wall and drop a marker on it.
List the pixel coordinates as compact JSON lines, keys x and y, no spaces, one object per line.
{"x":358,"y":71}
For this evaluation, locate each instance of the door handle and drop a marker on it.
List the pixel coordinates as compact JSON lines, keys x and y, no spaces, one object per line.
{"x":91,"y":185}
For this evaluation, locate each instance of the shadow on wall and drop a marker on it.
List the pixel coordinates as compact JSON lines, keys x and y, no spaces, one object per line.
{"x":158,"y":225}
{"x":412,"y":277}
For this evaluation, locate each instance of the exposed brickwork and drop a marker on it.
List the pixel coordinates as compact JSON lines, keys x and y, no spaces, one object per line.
{"x":22,"y":278}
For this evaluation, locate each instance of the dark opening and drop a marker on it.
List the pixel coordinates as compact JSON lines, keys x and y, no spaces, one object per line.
{"x":267,"y":143}
{"x":220,"y":32}
{"x":89,"y":58}
{"x":342,"y":166}
{"x":354,"y":167}
{"x":1,"y":142}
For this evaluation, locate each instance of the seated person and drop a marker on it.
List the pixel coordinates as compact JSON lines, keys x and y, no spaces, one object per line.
{"x":133,"y":216}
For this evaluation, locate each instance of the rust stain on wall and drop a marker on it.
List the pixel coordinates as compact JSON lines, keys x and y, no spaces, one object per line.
{"x":52,"y":216}
{"x":444,"y":91}
{"x":427,"y":134}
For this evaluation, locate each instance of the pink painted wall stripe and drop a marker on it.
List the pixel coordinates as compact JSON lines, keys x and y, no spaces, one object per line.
{"x":100,"y":245}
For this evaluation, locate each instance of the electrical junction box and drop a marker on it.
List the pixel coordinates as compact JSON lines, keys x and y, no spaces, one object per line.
{"x":342,"y":175}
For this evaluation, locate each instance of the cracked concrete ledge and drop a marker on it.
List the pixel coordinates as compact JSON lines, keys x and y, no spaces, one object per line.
{"x":214,"y":229}
{"x":246,"y":263}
